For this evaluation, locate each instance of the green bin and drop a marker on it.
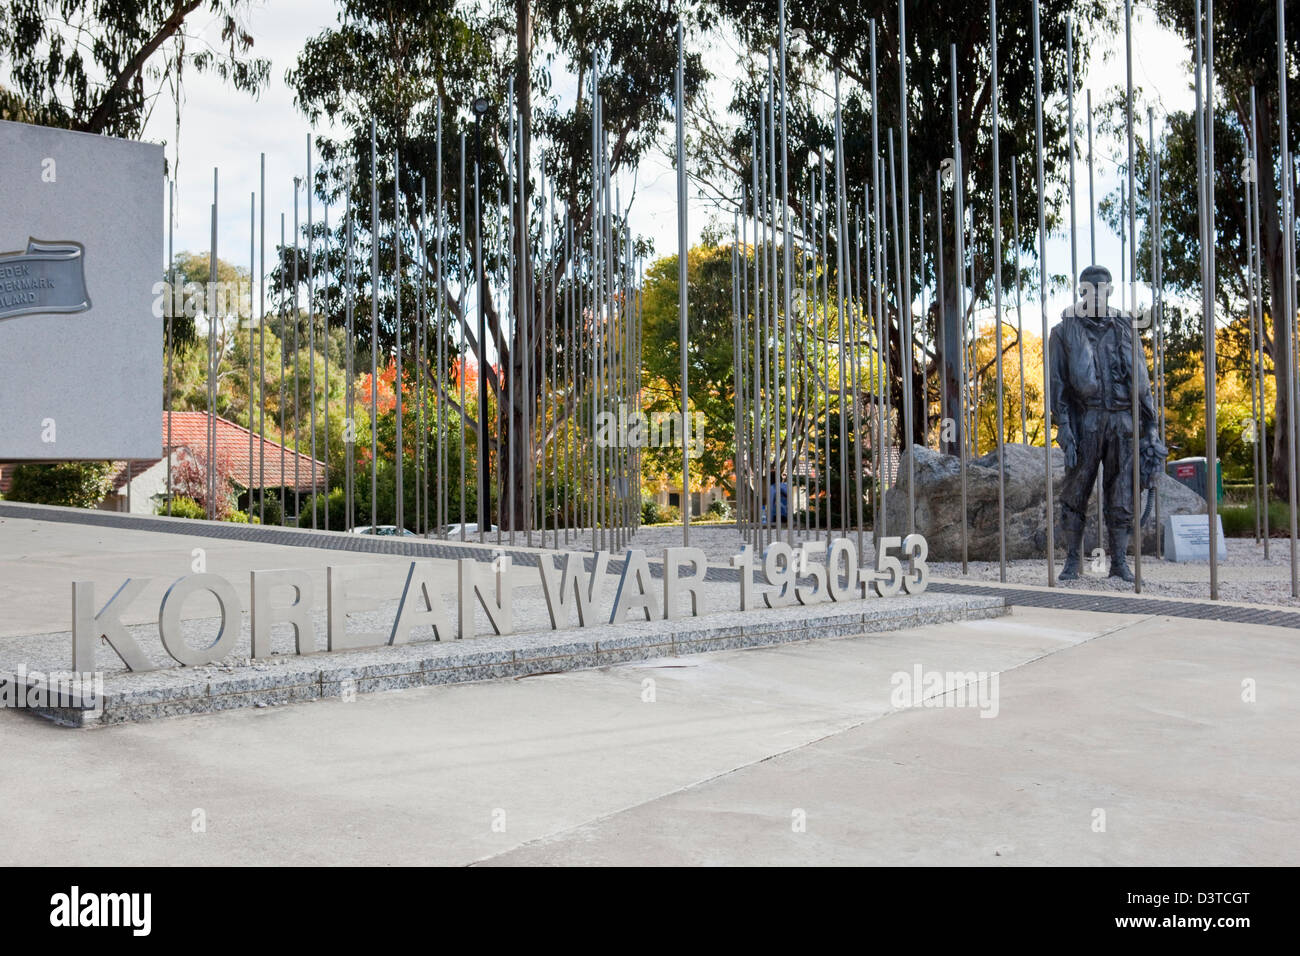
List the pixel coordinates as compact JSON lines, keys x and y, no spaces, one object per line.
{"x":1192,"y":473}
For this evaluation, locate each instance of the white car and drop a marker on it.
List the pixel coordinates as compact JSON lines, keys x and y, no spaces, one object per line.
{"x":384,"y":529}
{"x":471,"y":530}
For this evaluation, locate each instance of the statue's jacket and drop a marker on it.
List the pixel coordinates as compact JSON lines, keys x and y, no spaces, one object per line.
{"x":1091,"y":362}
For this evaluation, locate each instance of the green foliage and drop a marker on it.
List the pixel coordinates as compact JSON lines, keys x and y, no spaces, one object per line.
{"x":710,"y":361}
{"x":649,"y":511}
{"x":836,"y":35}
{"x":75,"y":484}
{"x":1239,"y":520}
{"x":825,"y":493}
{"x":270,"y":512}
{"x":335,"y":503}
{"x":183,"y":507}
{"x":720,"y":511}
{"x":1245,"y":63}
{"x":396,"y":64}
{"x":96,"y":67}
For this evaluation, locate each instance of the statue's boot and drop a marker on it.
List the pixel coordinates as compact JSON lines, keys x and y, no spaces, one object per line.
{"x":1119,"y":554}
{"x":1072,"y":525}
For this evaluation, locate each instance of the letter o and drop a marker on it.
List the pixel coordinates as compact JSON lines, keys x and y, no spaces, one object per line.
{"x":169,"y":619}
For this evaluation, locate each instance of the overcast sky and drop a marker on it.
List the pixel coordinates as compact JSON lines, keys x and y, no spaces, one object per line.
{"x":225,"y":129}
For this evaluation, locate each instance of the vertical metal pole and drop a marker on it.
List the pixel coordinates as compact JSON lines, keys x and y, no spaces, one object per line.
{"x":252,"y":266}
{"x":900,"y":292}
{"x":941,"y":299}
{"x":284,"y":371}
{"x":261,"y":360}
{"x":597,"y":532}
{"x":905,"y":301}
{"x":1154,"y":236}
{"x":440,"y":331}
{"x":921,"y":281}
{"x":171,"y":311}
{"x":881,"y":321}
{"x":997,"y":286}
{"x":311,"y":332}
{"x":1204,"y":171}
{"x":1259,"y":299}
{"x":1092,"y":195}
{"x":297,"y":398}
{"x":855,"y":353}
{"x":462,"y":251}
{"x":1020,"y":317}
{"x":841,"y":239}
{"x":1042,"y":296}
{"x":547,"y":346}
{"x":1134,"y":329}
{"x":398,"y":378}
{"x":1069,"y":89}
{"x":374,"y":328}
{"x":421,"y":354}
{"x":1211,"y":368}
{"x":959,"y":275}
{"x":682,"y":253}
{"x":787,"y":266}
{"x":1256,"y":406}
{"x":1157,"y":297}
{"x":1287,"y":327}
{"x":480,"y":282}
{"x":212,"y":360}
{"x":350,"y":423}
{"x":508,"y":399}
{"x":499,"y":336}
{"x":325,"y":331}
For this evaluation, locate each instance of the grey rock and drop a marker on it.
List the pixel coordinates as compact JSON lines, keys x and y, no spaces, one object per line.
{"x":939,"y":504}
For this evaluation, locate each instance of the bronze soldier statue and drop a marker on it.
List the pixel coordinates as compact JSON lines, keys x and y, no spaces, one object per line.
{"x":1091,"y":352}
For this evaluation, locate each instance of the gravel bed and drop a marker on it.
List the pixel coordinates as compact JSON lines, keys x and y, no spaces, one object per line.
{"x":1244,"y":576}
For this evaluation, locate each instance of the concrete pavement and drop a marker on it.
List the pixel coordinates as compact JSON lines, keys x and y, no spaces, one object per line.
{"x":713,"y":759}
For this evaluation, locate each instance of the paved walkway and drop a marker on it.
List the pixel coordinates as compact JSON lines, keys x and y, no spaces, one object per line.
{"x":792,"y":754}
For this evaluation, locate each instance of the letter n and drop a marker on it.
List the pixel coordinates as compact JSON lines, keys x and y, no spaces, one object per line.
{"x":500,"y":608}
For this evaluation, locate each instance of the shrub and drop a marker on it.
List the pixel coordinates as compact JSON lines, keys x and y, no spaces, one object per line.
{"x":337,"y":505}
{"x":76,"y":484}
{"x":190,"y":478}
{"x":270,"y":509}
{"x":1239,"y":520}
{"x":720,"y":510}
{"x":670,"y":514}
{"x":649,"y":511}
{"x":183,"y":507}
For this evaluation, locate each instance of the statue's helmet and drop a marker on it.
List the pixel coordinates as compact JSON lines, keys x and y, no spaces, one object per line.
{"x":1094,"y":274}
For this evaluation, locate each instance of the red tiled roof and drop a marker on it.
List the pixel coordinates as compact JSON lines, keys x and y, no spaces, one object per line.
{"x":190,"y":429}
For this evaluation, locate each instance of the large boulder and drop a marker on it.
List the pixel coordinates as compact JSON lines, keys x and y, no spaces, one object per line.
{"x":938,"y":504}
